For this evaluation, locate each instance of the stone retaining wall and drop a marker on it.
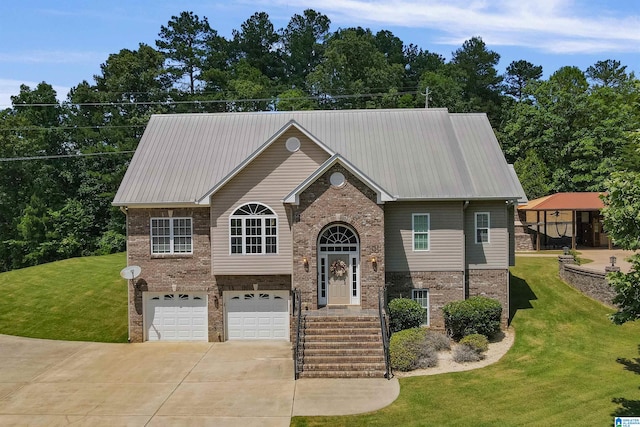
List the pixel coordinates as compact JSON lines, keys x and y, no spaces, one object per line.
{"x":591,"y":283}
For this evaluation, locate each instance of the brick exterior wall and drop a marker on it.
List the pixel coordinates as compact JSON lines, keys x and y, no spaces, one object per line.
{"x":354,"y":204}
{"x":168,"y":273}
{"x":492,"y":284}
{"x":443,"y":286}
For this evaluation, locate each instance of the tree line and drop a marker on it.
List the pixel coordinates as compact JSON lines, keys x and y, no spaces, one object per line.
{"x":566,"y":133}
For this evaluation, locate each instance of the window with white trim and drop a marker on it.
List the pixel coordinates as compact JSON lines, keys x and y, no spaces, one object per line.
{"x":420,"y":232}
{"x":253,"y":229}
{"x":422,"y":297}
{"x":171,"y":236}
{"x":482,"y":227}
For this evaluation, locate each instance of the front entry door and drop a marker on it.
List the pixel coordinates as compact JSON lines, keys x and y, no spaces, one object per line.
{"x":339,"y":279}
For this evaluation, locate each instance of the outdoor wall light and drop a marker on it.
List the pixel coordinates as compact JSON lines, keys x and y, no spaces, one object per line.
{"x":305,"y":262}
{"x":216,"y":302}
{"x":374,"y":263}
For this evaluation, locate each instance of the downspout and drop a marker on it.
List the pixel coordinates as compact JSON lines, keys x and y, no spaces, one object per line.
{"x":465,"y":205}
{"x":125,"y":210}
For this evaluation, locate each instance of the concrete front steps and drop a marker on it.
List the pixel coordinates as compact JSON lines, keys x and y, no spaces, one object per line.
{"x":342,"y":346}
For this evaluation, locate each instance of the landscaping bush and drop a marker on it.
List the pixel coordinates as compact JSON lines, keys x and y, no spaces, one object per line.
{"x":409,"y":349}
{"x":478,"y":342}
{"x":465,"y":353}
{"x":476,"y":315}
{"x":405,"y":313}
{"x":438,"y":341}
{"x":111,"y":242}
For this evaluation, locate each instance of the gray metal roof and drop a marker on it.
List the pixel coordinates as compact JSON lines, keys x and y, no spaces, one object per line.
{"x":484,"y":158}
{"x":411,"y":153}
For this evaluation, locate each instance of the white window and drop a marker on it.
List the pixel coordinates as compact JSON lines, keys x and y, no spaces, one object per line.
{"x":482,"y":227}
{"x":253,"y":229}
{"x":171,"y":236}
{"x":420,"y":229}
{"x":422,"y":297}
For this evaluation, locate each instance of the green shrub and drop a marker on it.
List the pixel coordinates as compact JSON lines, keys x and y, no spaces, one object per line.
{"x":111,"y":242}
{"x":438,"y":341}
{"x":465,"y":353}
{"x":576,"y":256}
{"x":477,"y":341}
{"x":409,"y":349}
{"x":405,"y":313}
{"x":476,"y":315}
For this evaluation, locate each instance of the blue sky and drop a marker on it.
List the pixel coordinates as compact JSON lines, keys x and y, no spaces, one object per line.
{"x":64,"y":42}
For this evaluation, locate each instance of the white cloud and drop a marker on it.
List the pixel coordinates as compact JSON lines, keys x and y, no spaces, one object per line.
{"x":9,"y":88}
{"x":52,"y":57}
{"x":555,"y":26}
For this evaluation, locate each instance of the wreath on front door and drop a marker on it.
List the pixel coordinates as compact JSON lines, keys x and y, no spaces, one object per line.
{"x":338,"y":268}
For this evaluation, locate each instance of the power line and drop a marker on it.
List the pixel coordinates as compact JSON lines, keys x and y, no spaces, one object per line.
{"x":215,"y":101}
{"x":29,"y":128}
{"x":62,"y":156}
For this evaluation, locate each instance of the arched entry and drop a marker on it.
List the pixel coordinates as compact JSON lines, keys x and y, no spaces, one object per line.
{"x":338,"y":266}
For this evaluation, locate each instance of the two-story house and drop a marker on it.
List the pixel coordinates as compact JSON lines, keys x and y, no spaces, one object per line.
{"x":227,"y":213}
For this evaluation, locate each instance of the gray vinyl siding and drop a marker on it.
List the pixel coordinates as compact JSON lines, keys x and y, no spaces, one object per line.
{"x":267,"y":180}
{"x":495,"y":253}
{"x":445,"y":240}
{"x":512,"y":235}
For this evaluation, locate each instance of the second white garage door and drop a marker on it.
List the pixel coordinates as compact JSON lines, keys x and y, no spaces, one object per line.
{"x":262,"y":315}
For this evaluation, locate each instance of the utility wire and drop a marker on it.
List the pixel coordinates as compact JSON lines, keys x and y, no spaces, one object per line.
{"x":30,"y":128}
{"x":214,"y":101}
{"x":62,"y":156}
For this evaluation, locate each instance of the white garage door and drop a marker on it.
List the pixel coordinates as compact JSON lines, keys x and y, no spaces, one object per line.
{"x":176,"y":317}
{"x":262,"y":315}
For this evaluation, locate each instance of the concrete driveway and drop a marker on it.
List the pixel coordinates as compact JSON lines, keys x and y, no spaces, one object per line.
{"x":56,"y":383}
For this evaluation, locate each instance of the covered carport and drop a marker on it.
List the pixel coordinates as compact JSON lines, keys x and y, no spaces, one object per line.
{"x":566,"y":220}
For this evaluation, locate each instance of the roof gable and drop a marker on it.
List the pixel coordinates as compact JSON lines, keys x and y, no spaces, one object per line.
{"x":381,"y":194}
{"x":204,"y":199}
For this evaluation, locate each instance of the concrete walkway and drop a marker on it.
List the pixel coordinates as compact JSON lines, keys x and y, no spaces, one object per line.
{"x":600,"y":257}
{"x":57,"y":383}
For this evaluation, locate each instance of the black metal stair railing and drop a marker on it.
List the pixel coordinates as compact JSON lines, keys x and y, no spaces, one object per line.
{"x":384,"y":326}
{"x":298,"y":354}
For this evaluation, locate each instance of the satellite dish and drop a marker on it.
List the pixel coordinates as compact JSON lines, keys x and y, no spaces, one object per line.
{"x":130,"y":272}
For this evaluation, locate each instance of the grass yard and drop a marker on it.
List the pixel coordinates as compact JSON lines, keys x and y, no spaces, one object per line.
{"x":79,"y":299}
{"x":569,"y":366}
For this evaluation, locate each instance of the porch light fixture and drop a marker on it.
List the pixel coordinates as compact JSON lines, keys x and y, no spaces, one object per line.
{"x":613,"y":260}
{"x":305,"y":262}
{"x":374,"y":263}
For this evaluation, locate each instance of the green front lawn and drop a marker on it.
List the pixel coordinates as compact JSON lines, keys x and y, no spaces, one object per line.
{"x":569,"y":366}
{"x":82,"y":299}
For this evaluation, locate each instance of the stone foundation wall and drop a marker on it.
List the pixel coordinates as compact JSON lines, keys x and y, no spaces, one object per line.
{"x":591,"y":283}
{"x":524,"y":236}
{"x":443,"y":286}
